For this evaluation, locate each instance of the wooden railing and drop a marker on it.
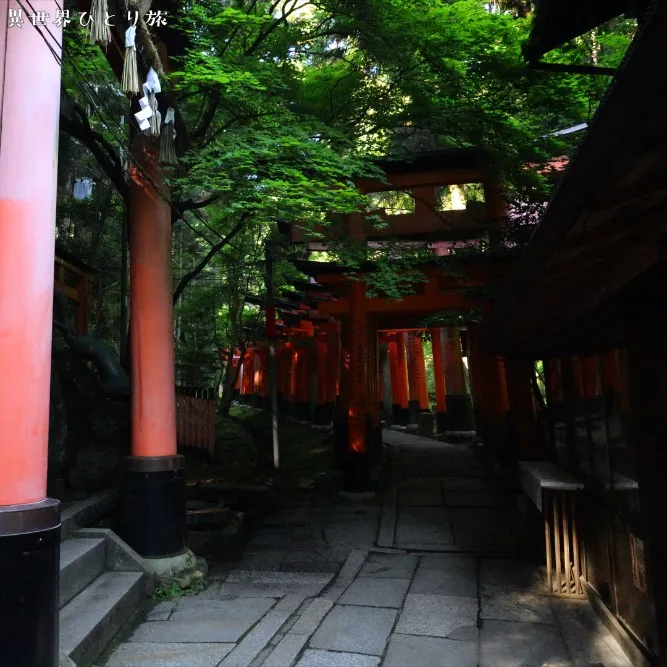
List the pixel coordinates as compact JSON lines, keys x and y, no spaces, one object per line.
{"x":195,"y":418}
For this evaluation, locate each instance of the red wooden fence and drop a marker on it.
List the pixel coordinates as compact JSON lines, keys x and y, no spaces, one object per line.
{"x":195,"y":418}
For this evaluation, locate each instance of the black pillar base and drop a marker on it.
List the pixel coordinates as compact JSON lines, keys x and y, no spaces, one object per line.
{"x":460,"y":414}
{"x":396,"y":413}
{"x":323,"y":414}
{"x":29,"y":584}
{"x":404,"y":417}
{"x":152,"y":504}
{"x":341,"y":430}
{"x":413,"y":412}
{"x":441,"y":422}
{"x":358,"y":473}
{"x":301,"y":410}
{"x":265,"y":403}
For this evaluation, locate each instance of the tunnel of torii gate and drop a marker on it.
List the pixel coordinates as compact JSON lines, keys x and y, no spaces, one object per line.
{"x":355,"y":361}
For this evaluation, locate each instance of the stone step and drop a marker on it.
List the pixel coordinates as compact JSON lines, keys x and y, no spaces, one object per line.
{"x":81,"y":561}
{"x":90,"y":621}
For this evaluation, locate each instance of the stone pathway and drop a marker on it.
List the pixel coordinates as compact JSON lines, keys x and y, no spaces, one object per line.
{"x":428,"y":580}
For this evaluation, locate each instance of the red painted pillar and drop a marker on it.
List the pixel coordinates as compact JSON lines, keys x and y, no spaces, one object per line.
{"x":460,"y":415}
{"x":235,"y":363}
{"x":523,"y":421}
{"x":333,"y":362}
{"x":403,"y":390}
{"x":248,"y":381}
{"x":153,"y":395}
{"x":322,"y":413}
{"x":29,"y":521}
{"x":421,"y":389}
{"x":360,"y":379}
{"x":439,"y":374}
{"x":454,"y":363}
{"x":153,"y":496}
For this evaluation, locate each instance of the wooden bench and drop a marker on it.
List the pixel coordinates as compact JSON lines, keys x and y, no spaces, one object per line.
{"x":554,"y":493}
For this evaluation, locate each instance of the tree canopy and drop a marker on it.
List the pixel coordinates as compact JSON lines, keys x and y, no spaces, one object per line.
{"x":282,"y":105}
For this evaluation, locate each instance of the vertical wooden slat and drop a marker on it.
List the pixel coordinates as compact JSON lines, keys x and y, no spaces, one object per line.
{"x":547,"y":540}
{"x":556,"y":525}
{"x":566,"y":542}
{"x":575,"y":546}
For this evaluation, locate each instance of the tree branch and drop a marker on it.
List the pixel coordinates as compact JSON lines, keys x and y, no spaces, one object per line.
{"x":100,"y":148}
{"x":209,"y":115}
{"x":191,"y":275}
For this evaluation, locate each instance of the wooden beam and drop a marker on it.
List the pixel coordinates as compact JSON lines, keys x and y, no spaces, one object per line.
{"x":574,"y":306}
{"x":573,"y":69}
{"x":424,"y":178}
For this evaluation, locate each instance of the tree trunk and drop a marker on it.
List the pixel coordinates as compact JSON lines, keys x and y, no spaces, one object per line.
{"x":231,"y":373}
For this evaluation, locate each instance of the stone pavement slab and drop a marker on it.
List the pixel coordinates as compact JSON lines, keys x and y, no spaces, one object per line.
{"x":424,"y":525}
{"x":327,"y":659}
{"x":259,"y":637}
{"x":312,"y":617}
{"x":201,"y":621}
{"x":510,"y":571}
{"x":462,"y":484}
{"x":162,"y":610}
{"x":439,"y":616}
{"x":387,"y":565}
{"x":587,"y":639}
{"x":347,"y":574}
{"x":468,"y":499}
{"x":355,"y":630}
{"x":420,"y":493}
{"x":511,"y":603}
{"x":456,"y":575}
{"x":507,"y":644}
{"x":168,"y":655}
{"x":376,"y":592}
{"x":411,"y":651}
{"x":483,"y":529}
{"x":259,"y":584}
{"x":286,"y":652}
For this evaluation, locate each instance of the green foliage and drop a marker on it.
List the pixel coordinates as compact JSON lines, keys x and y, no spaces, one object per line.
{"x":286,"y":103}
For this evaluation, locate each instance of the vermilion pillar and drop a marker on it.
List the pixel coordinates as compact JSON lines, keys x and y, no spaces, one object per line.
{"x":361,"y":395}
{"x":401,"y":384}
{"x":420,"y":372}
{"x":440,"y":384}
{"x":261,"y":377}
{"x":322,"y":414}
{"x":523,"y":423}
{"x":489,"y":395}
{"x":248,"y":380}
{"x":29,"y":521}
{"x":153,"y":496}
{"x":459,"y":404}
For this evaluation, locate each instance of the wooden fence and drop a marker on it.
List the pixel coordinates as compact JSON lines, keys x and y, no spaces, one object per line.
{"x":195,"y":418}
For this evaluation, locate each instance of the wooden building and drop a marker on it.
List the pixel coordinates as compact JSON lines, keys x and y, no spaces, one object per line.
{"x":587,"y":300}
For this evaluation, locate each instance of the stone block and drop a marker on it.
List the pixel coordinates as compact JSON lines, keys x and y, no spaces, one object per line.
{"x":508,"y":644}
{"x":313,"y":658}
{"x":457,"y":576}
{"x":168,"y":655}
{"x":510,"y":603}
{"x":376,"y":592}
{"x":437,"y":615}
{"x":408,"y":650}
{"x":355,"y":630}
{"x":390,"y":566}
